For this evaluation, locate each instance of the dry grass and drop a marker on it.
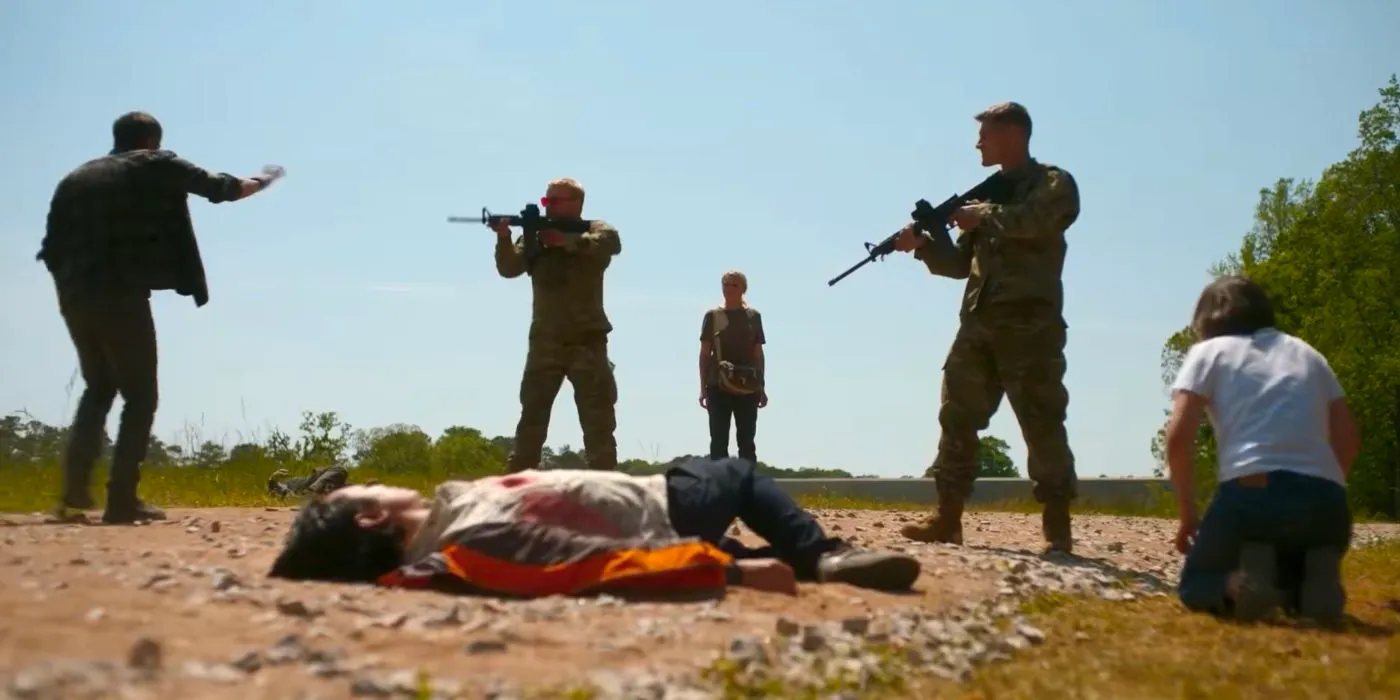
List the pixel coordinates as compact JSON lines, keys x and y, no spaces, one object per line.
{"x":1152,"y":649}
{"x":244,"y":485}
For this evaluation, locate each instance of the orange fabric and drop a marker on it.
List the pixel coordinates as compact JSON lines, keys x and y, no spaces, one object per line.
{"x":690,"y":565}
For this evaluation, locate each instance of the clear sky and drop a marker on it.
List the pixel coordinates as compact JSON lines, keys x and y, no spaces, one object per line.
{"x":771,"y":137}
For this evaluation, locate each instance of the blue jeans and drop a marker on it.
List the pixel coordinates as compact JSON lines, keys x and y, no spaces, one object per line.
{"x":1291,"y":511}
{"x":706,"y":496}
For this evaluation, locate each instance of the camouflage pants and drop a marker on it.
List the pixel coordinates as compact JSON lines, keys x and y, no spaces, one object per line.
{"x":590,"y":373}
{"x":1021,"y":357}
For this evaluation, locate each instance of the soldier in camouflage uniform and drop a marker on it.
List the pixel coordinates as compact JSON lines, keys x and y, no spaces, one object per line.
{"x":568,"y":330}
{"x":1011,"y":337}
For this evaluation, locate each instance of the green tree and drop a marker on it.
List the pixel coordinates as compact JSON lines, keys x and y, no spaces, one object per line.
{"x":1328,"y":252}
{"x":994,"y":460}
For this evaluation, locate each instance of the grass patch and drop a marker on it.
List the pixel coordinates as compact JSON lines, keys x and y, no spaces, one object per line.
{"x":26,"y":489}
{"x":1152,"y":649}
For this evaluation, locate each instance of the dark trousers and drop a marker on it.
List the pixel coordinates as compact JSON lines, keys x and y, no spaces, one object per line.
{"x":742,"y":409}
{"x":115,"y":338}
{"x":1291,"y":511}
{"x":707,"y":495}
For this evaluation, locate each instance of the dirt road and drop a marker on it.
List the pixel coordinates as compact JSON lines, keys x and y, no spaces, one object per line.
{"x":181,"y":609}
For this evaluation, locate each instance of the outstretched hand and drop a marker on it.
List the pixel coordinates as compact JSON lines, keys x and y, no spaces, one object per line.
{"x":273,"y":173}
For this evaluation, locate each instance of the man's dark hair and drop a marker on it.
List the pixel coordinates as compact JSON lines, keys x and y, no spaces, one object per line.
{"x":134,"y":130}
{"x":1232,"y":305}
{"x":326,"y":544}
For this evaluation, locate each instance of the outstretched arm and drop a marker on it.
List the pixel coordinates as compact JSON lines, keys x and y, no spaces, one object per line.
{"x":215,"y":187}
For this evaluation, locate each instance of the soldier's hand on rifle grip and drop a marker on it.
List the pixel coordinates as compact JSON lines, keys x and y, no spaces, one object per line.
{"x":501,"y":228}
{"x":908,"y":239}
{"x":968,"y":217}
{"x":552,"y":238}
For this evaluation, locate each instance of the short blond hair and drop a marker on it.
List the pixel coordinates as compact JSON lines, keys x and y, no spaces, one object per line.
{"x":1007,"y":113}
{"x":566,"y":183}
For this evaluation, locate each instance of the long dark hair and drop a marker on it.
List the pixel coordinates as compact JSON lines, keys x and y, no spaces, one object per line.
{"x":1232,"y":305}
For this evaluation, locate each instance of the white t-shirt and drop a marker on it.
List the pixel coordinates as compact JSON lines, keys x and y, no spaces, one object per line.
{"x":1269,"y":397}
{"x":595,"y":502}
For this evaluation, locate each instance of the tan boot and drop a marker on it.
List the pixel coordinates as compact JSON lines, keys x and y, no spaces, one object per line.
{"x":944,"y":525}
{"x":1055,"y":526}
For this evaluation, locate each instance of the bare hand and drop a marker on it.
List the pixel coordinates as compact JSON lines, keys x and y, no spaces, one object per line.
{"x":768,"y":575}
{"x":552,"y":238}
{"x":908,"y":239}
{"x":704,"y":399}
{"x":1185,"y":533}
{"x":968,"y":217}
{"x":273,"y":172}
{"x":763,"y":399}
{"x":501,"y":228}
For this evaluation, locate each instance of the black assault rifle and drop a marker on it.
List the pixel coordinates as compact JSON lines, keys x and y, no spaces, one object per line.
{"x":532,"y":221}
{"x":934,"y":220}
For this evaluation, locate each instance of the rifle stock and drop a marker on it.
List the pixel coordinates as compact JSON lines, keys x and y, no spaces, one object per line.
{"x":531,"y":221}
{"x":933,"y":220}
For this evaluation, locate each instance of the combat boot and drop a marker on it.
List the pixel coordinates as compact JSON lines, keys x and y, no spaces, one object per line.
{"x":944,"y":525}
{"x":1055,"y":526}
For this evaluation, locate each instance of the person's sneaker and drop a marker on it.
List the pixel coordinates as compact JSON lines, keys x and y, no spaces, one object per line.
{"x":1055,"y":527}
{"x":65,"y":513}
{"x":881,"y":571}
{"x":135,"y":512}
{"x":1254,"y":587}
{"x":70,"y":508}
{"x":1322,"y":597}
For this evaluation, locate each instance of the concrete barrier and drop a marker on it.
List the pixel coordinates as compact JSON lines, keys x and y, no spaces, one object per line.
{"x":1102,"y":493}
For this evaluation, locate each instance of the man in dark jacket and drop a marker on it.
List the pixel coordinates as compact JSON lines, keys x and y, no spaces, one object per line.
{"x":118,"y":228}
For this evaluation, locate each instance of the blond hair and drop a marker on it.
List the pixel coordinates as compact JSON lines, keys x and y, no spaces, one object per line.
{"x":743,"y":284}
{"x":567,"y":183}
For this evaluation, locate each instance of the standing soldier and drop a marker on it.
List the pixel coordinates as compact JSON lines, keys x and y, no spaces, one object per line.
{"x":731,"y":369}
{"x":568,"y":330}
{"x":119,"y":228}
{"x":1011,"y":337}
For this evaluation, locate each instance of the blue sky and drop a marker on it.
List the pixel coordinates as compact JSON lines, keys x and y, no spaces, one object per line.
{"x":772,"y":137}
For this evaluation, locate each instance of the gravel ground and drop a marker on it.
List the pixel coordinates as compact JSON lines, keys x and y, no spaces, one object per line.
{"x":181,"y":609}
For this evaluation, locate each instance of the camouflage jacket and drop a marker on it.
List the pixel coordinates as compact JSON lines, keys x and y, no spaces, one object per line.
{"x":1016,"y":256}
{"x":122,"y":221}
{"x":567,"y":282}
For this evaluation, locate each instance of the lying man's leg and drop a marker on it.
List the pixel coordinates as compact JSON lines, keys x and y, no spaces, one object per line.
{"x":706,"y":496}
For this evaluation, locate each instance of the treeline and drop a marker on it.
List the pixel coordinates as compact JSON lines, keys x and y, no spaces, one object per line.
{"x":324,"y":438}
{"x":1328,"y":253}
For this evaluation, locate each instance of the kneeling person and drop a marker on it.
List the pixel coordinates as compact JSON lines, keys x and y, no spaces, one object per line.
{"x":568,"y":532}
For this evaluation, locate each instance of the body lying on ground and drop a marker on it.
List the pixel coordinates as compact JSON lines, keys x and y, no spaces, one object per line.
{"x":321,"y":481}
{"x":579,"y":532}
